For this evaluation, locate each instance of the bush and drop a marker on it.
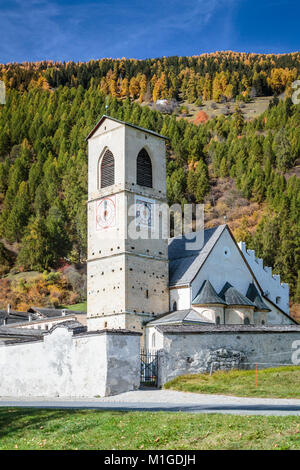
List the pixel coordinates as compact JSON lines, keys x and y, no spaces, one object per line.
{"x":77,"y":281}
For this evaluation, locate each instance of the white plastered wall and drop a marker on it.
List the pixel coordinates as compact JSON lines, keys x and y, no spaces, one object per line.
{"x":182,"y":297}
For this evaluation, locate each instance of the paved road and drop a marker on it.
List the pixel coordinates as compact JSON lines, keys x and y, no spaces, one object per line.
{"x":168,"y":400}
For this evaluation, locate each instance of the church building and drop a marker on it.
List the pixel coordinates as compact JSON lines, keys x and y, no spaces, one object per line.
{"x":140,"y":282}
{"x":196,"y":303}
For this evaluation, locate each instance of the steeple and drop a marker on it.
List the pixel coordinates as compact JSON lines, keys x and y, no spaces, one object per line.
{"x":127,"y":266}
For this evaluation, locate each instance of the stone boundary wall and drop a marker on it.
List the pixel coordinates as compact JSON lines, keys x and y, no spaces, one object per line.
{"x":197,"y":352}
{"x":64,"y":364}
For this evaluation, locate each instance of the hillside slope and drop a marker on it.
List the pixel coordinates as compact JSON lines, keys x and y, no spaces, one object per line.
{"x":243,"y":170}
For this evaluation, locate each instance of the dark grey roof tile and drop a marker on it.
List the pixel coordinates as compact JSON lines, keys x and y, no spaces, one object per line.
{"x":213,"y":329}
{"x":233,"y":297}
{"x":185,"y":260}
{"x":180,"y":316}
{"x":253,"y":295}
{"x":207,"y":295}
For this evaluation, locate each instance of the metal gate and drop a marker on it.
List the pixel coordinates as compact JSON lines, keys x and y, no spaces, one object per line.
{"x":149,"y":367}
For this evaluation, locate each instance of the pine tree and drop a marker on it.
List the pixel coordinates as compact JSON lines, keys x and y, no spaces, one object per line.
{"x":282,"y":150}
{"x":239,"y":120}
{"x":198,"y":182}
{"x":223,"y":171}
{"x":19,"y":215}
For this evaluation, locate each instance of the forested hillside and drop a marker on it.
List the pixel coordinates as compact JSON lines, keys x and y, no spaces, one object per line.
{"x":197,"y":78}
{"x":43,"y":157}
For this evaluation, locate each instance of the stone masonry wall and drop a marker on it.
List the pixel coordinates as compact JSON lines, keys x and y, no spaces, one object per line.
{"x":191,"y":353}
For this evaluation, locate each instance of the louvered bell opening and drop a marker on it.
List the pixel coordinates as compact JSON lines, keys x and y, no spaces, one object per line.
{"x":144,"y":169}
{"x":107,"y":170}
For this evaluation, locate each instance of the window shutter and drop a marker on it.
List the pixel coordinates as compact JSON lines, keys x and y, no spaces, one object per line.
{"x":144,"y":169}
{"x":107,"y":170}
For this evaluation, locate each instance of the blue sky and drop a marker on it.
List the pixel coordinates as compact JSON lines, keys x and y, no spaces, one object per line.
{"x":33,"y":30}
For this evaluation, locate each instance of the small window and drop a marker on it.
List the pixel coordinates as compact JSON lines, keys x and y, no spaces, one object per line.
{"x":105,"y":324}
{"x":147,"y":294}
{"x":226,"y":252}
{"x":278,"y":299}
{"x":246,"y":321}
{"x":263,"y":322}
{"x":144,"y":169}
{"x":218,"y":320}
{"x":174,"y":306}
{"x":153,"y":340}
{"x":107,"y":170}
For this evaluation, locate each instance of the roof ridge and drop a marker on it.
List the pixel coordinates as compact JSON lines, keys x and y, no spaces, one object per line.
{"x":233,"y":296}
{"x":207,"y":295}
{"x":105,"y":116}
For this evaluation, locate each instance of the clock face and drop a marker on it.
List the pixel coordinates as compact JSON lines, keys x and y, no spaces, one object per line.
{"x":144,"y":212}
{"x":106,"y":213}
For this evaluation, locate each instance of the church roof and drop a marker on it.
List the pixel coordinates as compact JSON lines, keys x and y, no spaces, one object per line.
{"x":124,"y":123}
{"x":207,"y":295}
{"x":253,"y":295}
{"x":184,"y":260}
{"x":180,"y":317}
{"x":233,"y":297}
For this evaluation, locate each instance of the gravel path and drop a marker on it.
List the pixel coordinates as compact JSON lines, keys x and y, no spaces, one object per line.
{"x":168,"y":400}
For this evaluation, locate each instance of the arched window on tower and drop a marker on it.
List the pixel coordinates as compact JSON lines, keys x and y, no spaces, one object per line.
{"x":144,"y":169}
{"x":174,"y":306}
{"x":107,"y":170}
{"x":246,"y":321}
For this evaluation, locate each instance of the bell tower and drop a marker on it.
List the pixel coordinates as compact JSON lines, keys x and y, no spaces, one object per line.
{"x":127,"y":265}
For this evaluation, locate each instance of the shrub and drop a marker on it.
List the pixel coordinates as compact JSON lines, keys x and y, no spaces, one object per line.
{"x":201,"y":118}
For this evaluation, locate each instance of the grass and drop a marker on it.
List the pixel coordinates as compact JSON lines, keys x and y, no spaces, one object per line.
{"x":76,"y":307}
{"x":281,"y":382}
{"x":31,"y":429}
{"x":250,"y":110}
{"x":29,"y":276}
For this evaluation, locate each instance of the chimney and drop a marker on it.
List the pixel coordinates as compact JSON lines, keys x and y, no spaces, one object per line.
{"x":4,"y":321}
{"x":8,"y":308}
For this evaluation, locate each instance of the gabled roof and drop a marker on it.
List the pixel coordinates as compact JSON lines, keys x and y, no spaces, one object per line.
{"x":124,"y":123}
{"x":72,"y":325}
{"x":180,"y":317}
{"x":12,"y":317}
{"x":52,"y":312}
{"x":253,"y":295}
{"x":19,"y":333}
{"x":184,"y":263}
{"x":233,"y":297}
{"x":207,"y":295}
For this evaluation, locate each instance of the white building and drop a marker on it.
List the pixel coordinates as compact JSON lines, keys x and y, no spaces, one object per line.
{"x":140,"y":283}
{"x":216,"y":284}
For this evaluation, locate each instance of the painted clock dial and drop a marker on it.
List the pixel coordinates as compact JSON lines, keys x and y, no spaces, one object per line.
{"x":106,"y":213}
{"x":144,"y":212}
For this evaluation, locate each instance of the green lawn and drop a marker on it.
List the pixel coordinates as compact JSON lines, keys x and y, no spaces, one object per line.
{"x":22,"y":428}
{"x":281,"y":382}
{"x":77,"y":307}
